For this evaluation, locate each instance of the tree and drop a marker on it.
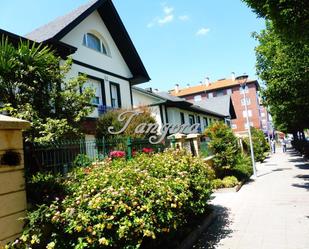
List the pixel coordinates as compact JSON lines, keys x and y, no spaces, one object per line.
{"x":33,"y":86}
{"x":224,"y":146}
{"x":260,"y":144}
{"x":290,"y":17}
{"x":283,"y":66}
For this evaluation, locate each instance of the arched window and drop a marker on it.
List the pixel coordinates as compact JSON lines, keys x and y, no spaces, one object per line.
{"x":93,"y":42}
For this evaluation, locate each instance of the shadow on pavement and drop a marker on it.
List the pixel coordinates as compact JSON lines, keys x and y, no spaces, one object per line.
{"x":302,"y":166}
{"x":218,"y":230}
{"x":305,"y":177}
{"x":274,"y":170}
{"x":304,"y":185}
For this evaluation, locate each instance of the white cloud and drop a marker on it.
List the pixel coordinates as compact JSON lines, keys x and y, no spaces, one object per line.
{"x":184,"y":18}
{"x":202,"y":31}
{"x":166,"y":19}
{"x":168,"y":10}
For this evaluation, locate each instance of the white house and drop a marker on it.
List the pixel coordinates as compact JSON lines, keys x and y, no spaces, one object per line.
{"x":101,"y":48}
{"x":166,"y":108}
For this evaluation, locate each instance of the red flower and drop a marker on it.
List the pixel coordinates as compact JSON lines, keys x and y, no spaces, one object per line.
{"x":117,"y":154}
{"x":147,"y":150}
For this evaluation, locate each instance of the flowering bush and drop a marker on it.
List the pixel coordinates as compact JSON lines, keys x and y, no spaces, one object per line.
{"x":122,"y":204}
{"x":117,"y":154}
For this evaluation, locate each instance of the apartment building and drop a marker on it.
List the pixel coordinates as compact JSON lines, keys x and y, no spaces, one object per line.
{"x":207,"y":90}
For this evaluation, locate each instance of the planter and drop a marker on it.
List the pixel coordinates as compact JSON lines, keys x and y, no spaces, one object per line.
{"x":230,"y":190}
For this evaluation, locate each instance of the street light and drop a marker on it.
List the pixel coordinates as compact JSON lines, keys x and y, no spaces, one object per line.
{"x":242,"y":80}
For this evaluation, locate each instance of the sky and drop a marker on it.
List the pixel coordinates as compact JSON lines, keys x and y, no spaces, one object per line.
{"x":179,"y":42}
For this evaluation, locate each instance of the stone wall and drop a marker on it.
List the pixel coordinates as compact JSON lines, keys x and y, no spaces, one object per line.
{"x":12,"y":183}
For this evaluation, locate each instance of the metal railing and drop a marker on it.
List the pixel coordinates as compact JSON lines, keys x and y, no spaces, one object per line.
{"x":58,"y":157}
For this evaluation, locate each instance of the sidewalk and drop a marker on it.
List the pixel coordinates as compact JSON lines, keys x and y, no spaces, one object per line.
{"x":270,"y":213}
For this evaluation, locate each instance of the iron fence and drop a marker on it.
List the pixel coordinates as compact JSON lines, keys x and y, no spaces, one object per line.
{"x":58,"y":157}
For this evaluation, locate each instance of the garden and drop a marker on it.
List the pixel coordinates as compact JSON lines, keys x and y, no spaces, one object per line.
{"x":118,"y":203}
{"x":152,"y":199}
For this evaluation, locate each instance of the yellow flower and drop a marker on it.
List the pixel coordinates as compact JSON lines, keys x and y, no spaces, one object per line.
{"x":78,"y":228}
{"x":103,"y":241}
{"x":51,"y":245}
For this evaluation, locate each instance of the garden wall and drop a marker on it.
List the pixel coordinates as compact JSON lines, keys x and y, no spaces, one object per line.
{"x":12,"y":182}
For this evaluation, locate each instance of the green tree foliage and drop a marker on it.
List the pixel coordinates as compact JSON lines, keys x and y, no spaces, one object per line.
{"x":290,"y":17}
{"x":33,"y":86}
{"x":111,"y":119}
{"x":283,"y":66}
{"x":224,"y":146}
{"x":260,"y":144}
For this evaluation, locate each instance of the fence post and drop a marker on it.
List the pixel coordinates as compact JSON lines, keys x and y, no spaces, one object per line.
{"x":173,"y":142}
{"x":129,"y":150}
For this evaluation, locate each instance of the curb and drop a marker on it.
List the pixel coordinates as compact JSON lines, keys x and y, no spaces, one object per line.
{"x":189,"y":241}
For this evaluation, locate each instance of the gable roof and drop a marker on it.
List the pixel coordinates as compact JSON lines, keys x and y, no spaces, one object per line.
{"x":219,"y":84}
{"x":222,"y":105}
{"x":57,"y":29}
{"x":172,"y":101}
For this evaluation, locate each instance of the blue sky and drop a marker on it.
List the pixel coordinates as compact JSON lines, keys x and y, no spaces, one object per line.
{"x":178,"y":41}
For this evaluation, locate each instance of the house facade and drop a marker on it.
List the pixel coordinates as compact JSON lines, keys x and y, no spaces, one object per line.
{"x":208,"y":91}
{"x":100,"y":47}
{"x":168,"y":109}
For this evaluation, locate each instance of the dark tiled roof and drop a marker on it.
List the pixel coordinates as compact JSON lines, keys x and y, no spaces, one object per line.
{"x":222,"y":105}
{"x":52,"y":28}
{"x":180,"y":102}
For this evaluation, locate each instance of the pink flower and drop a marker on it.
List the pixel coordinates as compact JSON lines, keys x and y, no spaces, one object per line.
{"x":147,"y":150}
{"x":117,"y":154}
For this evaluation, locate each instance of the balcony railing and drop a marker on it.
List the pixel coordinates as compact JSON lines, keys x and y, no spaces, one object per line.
{"x":104,"y":108}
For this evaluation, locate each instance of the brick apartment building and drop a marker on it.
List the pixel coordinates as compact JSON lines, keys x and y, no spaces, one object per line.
{"x":258,"y":116}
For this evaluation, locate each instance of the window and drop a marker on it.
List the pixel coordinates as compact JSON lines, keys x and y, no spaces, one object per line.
{"x":229,"y":91}
{"x":191,"y":120}
{"x":205,"y":122}
{"x":198,"y":118}
{"x":198,"y":98}
{"x":244,"y":113}
{"x":182,"y":118}
{"x":234,"y":126}
{"x":93,"y":42}
{"x":115,"y":95}
{"x":210,"y":95}
{"x":96,"y":85}
{"x":220,"y":93}
{"x":243,"y":101}
{"x":241,"y":89}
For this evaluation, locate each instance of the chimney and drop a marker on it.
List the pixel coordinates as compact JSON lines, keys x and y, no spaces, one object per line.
{"x":233,"y":76}
{"x":206,"y":82}
{"x":176,"y":88}
{"x":188,"y":85}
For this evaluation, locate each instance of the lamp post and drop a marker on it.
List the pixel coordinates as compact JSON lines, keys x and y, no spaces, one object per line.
{"x":242,"y":80}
